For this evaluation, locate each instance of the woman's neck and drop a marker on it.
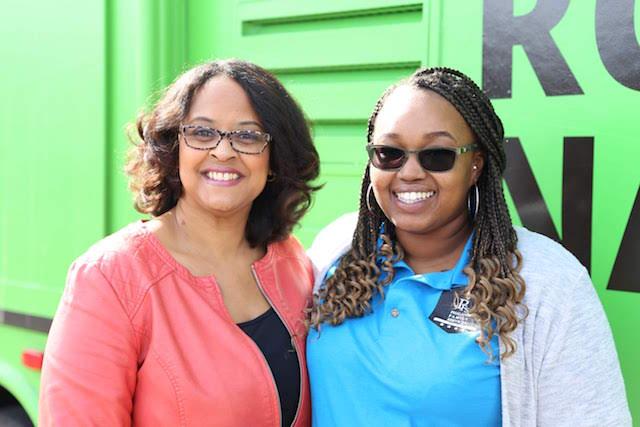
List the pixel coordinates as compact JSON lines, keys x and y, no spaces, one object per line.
{"x":435,"y":251}
{"x":209,"y":237}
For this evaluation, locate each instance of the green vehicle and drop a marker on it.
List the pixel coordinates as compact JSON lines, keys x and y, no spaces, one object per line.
{"x":564,"y":76}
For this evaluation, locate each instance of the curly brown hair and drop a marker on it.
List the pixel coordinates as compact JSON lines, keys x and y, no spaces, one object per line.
{"x":152,"y":165}
{"x":495,"y":286}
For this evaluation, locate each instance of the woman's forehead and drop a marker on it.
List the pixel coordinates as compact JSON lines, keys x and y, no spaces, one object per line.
{"x":409,"y":110}
{"x":222,"y":98}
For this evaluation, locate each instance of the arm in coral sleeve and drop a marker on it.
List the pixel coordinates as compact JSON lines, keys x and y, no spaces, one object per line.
{"x":90,"y":364}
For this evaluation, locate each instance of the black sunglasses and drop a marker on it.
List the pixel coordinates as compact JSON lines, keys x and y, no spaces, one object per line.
{"x":436,"y":159}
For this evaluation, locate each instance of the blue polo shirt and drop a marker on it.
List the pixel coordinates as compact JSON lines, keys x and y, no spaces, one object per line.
{"x":413,"y":361}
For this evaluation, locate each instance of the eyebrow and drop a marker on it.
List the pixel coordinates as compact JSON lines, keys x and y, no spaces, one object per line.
{"x":203,"y":119}
{"x":429,"y":135}
{"x":241,"y":123}
{"x":249,"y":122}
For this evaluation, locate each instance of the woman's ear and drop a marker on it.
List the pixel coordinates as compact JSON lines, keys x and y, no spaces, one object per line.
{"x":477,"y":165}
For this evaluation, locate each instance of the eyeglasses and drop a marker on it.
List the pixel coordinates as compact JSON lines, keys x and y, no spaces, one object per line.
{"x":242,"y":141}
{"x":436,"y":159}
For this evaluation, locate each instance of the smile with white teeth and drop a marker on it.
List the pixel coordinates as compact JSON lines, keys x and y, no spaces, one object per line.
{"x":414,"y":196}
{"x":222,"y":176}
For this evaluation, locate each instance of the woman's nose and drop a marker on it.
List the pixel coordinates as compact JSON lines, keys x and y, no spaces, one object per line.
{"x":223,"y":151}
{"x":411,"y":170}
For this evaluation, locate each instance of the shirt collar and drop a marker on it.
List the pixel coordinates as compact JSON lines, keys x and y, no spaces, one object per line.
{"x":444,"y":280}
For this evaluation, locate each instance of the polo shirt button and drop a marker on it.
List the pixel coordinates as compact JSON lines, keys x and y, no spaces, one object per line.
{"x":395,"y":312}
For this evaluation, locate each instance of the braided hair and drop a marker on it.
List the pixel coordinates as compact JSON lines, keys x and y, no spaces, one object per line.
{"x":495,"y":286}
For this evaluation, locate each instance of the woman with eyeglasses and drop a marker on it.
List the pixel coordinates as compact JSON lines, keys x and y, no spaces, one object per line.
{"x":438,"y":311}
{"x":196,"y":316}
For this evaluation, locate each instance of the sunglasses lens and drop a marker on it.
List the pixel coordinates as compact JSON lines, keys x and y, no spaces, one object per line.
{"x":386,"y":157}
{"x":437,"y":160}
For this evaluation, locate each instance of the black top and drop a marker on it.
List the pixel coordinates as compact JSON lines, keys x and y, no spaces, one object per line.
{"x":273,"y":339}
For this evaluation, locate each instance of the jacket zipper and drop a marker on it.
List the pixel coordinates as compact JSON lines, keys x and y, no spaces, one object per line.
{"x":295,"y":347}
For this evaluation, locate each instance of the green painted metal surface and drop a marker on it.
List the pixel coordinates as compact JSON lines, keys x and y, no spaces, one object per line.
{"x":52,"y":163}
{"x":80,"y":73}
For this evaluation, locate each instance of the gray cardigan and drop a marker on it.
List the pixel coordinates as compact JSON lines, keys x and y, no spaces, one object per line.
{"x":565,"y":371}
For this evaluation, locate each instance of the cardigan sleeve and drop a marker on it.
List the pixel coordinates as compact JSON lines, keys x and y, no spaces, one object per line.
{"x":580,"y":382}
{"x":90,"y":364}
{"x":330,"y":244}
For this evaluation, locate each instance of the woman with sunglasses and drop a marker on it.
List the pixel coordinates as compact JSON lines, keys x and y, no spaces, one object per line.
{"x":438,"y":312}
{"x":196,"y":316}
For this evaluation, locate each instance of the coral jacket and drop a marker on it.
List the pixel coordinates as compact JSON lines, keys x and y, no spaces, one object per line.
{"x":138,"y":340}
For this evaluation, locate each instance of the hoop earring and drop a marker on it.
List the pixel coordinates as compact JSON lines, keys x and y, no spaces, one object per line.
{"x":271,"y":177}
{"x":367,"y":197}
{"x":473,"y":205}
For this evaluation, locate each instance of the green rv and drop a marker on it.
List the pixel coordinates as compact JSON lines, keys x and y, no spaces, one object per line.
{"x":563,"y":74}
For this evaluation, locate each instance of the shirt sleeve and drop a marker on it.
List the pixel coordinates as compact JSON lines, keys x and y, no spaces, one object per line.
{"x":90,"y":364}
{"x":580,"y":382}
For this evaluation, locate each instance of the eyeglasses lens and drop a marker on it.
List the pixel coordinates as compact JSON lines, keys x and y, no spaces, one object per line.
{"x":250,"y":142}
{"x":434,"y":160}
{"x":437,"y":160}
{"x":201,"y":137}
{"x":387,"y":157}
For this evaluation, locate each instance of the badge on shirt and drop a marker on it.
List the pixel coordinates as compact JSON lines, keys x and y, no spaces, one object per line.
{"x":451,"y":315}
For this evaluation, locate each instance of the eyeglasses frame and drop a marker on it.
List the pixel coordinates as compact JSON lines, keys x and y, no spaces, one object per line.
{"x":224,"y":134}
{"x":458,"y":150}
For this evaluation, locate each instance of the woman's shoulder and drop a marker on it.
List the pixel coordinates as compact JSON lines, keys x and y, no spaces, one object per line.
{"x":128,"y":255}
{"x":544,"y":256}
{"x":330,"y":244}
{"x":553,"y":275}
{"x":123,"y":242}
{"x":333,"y":240}
{"x":287,"y":250}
